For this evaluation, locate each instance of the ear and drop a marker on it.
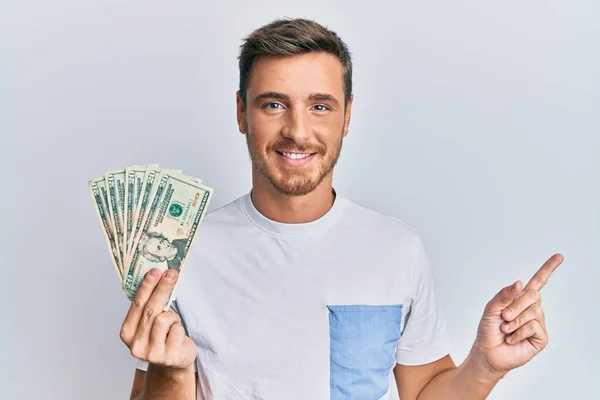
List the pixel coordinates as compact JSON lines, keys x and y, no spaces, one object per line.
{"x":241,"y":118}
{"x":348,"y":114}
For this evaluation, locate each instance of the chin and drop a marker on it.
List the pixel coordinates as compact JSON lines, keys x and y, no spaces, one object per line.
{"x":296,"y":187}
{"x":291,"y":181}
{"x":295,"y":190}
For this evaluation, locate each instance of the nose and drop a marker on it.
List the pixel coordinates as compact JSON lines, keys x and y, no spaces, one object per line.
{"x":297,"y":126}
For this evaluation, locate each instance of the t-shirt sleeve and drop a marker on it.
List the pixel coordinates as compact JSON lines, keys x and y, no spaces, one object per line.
{"x":424,"y":338}
{"x":143,"y":365}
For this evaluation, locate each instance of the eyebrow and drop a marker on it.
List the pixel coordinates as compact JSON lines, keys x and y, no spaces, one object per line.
{"x":323,"y":97}
{"x":285,"y":97}
{"x":271,"y":95}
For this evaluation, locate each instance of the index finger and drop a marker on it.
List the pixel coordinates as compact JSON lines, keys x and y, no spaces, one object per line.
{"x":539,"y":280}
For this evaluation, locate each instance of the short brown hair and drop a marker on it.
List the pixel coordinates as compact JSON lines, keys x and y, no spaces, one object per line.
{"x":287,"y":37}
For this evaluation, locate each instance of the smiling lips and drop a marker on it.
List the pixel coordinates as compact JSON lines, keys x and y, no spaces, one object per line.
{"x":294,"y":159}
{"x":296,"y":156}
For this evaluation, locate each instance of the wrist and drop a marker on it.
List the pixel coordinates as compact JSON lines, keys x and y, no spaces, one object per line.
{"x":477,"y":368}
{"x":169,"y":383}
{"x":171,"y":373}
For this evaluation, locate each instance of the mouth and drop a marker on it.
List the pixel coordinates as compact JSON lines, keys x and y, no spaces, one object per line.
{"x":294,"y":159}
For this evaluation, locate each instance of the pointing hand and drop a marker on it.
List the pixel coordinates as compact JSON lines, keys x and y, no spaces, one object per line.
{"x":512,"y":329}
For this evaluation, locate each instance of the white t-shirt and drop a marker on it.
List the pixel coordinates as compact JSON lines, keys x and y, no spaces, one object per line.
{"x":320,"y":310}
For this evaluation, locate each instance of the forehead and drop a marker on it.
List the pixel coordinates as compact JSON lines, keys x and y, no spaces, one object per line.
{"x":297,"y":75}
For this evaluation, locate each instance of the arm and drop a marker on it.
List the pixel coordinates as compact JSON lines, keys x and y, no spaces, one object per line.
{"x":158,"y":338}
{"x":443,"y":380}
{"x":160,"y":384}
{"x":139,"y":380}
{"x":511,"y":332}
{"x":412,"y":379}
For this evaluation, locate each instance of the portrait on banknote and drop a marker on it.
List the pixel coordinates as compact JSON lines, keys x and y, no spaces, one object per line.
{"x":156,"y":247}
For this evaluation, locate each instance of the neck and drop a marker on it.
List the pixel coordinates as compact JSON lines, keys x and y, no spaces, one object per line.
{"x":292,"y":209}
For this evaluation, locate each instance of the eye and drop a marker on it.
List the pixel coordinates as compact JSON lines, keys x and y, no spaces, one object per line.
{"x":276,"y":106}
{"x":322,"y":107}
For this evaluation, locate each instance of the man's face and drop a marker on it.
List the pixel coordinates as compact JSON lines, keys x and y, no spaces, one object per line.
{"x":294,"y":120}
{"x":161,"y":248}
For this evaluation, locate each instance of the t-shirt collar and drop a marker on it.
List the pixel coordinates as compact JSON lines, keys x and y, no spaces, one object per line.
{"x":293,"y":229}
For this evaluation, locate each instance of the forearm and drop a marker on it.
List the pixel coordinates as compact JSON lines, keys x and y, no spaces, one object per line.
{"x":164,"y":383}
{"x":468,"y":381}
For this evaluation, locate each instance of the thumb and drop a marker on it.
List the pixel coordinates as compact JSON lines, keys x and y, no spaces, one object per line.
{"x":504,"y":297}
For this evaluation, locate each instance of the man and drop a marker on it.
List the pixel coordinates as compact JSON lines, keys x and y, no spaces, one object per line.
{"x":295,"y":292}
{"x":156,"y":247}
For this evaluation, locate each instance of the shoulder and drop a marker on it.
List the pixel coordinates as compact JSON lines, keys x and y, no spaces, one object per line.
{"x":226,"y":215}
{"x":221,"y":223}
{"x":378,"y":224}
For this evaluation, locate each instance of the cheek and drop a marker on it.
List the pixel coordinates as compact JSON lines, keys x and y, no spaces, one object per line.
{"x":262,"y":137}
{"x":269,"y":129}
{"x":329,"y":133}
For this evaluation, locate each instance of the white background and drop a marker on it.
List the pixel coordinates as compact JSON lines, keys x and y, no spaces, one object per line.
{"x":475,"y":122}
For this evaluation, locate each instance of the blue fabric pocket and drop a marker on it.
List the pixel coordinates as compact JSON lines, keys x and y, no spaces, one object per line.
{"x":363,"y":341}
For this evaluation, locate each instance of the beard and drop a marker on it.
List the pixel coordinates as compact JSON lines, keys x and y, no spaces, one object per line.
{"x":292,"y":181}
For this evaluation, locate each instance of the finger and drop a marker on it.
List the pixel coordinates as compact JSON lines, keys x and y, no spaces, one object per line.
{"x":175,"y":343}
{"x":521,"y":303}
{"x":532,"y":312}
{"x":160,"y":327}
{"x":539,"y":280}
{"x":158,"y":334}
{"x":533,"y":330}
{"x":155,"y":304}
{"x":175,"y":337}
{"x":504,"y":298}
{"x":132,"y":319}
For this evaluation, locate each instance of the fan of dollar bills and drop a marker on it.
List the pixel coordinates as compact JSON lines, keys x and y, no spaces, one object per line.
{"x":149,"y":217}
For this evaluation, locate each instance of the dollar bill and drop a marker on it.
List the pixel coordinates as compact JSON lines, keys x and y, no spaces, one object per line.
{"x":113,"y":180}
{"x":130,"y":179}
{"x":153,"y":190}
{"x":170,"y":221}
{"x":146,"y":193}
{"x":139,"y":184}
{"x":134,"y":177}
{"x":104,"y":190}
{"x":97,"y":189}
{"x":120,"y":184}
{"x":148,"y":186}
{"x":149,"y":217}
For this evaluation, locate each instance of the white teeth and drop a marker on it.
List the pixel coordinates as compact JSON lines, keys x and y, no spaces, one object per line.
{"x":296,"y":156}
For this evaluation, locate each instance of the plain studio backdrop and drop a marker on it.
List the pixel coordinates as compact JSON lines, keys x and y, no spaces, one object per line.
{"x":477,"y":123}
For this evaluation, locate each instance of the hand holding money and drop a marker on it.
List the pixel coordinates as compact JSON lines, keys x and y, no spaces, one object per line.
{"x":154,"y":335}
{"x":149,"y":217}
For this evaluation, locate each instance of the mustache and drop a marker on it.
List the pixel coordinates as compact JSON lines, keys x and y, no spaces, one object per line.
{"x":296,"y":148}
